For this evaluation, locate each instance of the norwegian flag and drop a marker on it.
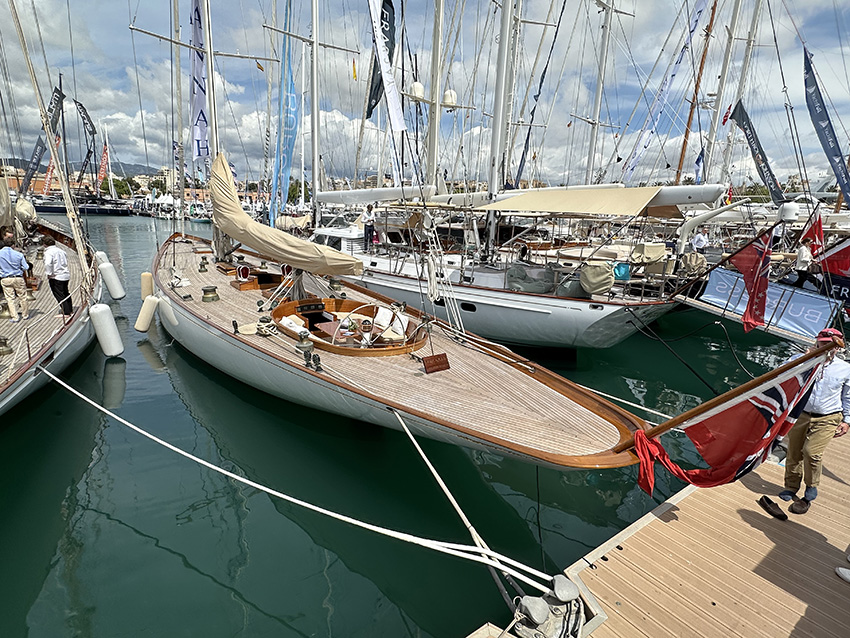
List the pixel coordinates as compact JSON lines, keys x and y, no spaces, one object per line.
{"x":753,"y":262}
{"x":814,"y":231}
{"x":734,"y":440}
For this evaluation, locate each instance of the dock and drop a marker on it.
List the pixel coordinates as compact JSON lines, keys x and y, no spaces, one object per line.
{"x":712,"y":562}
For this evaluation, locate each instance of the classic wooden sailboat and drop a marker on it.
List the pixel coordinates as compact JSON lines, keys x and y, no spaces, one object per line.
{"x":367,"y":355}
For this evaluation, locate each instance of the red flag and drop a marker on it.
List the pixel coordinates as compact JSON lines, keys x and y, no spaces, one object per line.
{"x":836,"y":260}
{"x":734,"y":440}
{"x":814,"y":231}
{"x":729,"y":195}
{"x":726,"y":116}
{"x":101,"y":173}
{"x":753,"y":262}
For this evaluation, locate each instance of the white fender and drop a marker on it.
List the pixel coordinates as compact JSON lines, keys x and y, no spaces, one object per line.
{"x":101,"y":257}
{"x":106,"y":330}
{"x":143,"y":321}
{"x":147,"y":285}
{"x":110,"y":278}
{"x":166,"y":312}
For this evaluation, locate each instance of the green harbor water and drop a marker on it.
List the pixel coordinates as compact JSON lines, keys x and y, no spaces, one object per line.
{"x":104,"y":533}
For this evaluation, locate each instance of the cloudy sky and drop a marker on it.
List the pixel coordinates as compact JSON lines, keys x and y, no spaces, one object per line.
{"x":125,"y":79}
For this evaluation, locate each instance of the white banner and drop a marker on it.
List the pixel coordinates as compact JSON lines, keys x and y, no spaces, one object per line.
{"x":390,"y":89}
{"x":200,"y":139}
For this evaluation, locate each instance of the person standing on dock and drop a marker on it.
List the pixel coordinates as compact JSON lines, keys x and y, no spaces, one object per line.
{"x":58,"y":274}
{"x":368,"y":219}
{"x":825,"y":416}
{"x":13,"y":268}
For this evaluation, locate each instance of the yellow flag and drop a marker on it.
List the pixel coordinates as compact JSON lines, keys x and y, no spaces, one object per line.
{"x":260,"y":66}
{"x":354,"y":69}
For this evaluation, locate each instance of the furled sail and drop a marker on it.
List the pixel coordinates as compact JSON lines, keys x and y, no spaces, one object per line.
{"x":298,"y":253}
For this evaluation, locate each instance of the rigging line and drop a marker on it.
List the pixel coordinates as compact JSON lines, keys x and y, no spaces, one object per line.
{"x":629,"y":403}
{"x":474,"y":554}
{"x":41,"y":42}
{"x":138,"y":85}
{"x":74,"y":74}
{"x":539,"y":526}
{"x":789,"y":108}
{"x":732,"y":349}
{"x":249,"y":173}
{"x":476,"y":537}
{"x":674,"y":353}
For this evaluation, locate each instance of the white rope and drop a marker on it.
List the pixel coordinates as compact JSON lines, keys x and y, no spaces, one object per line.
{"x":475,"y":554}
{"x":629,"y":403}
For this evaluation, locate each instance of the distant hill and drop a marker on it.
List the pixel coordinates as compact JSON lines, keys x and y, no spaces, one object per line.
{"x":119,"y":168}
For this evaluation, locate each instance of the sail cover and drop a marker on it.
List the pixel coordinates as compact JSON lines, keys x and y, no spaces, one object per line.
{"x":278,"y":245}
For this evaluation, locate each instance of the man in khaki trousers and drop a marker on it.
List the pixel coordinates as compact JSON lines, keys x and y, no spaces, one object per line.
{"x":13,"y":267}
{"x":825,"y":416}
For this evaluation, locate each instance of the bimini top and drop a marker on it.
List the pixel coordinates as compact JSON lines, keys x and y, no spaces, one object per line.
{"x":270,"y":242}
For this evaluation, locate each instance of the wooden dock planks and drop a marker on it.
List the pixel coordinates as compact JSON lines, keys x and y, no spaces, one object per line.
{"x":711,"y":562}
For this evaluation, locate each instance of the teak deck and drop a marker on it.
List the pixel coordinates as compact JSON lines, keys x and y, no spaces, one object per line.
{"x":711,"y":562}
{"x":27,"y":337}
{"x":479,"y":391}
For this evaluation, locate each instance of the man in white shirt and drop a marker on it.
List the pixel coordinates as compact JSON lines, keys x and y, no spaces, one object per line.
{"x":368,"y":219}
{"x":804,"y":263}
{"x":58,"y":274}
{"x":825,"y":416}
{"x":700,"y":241}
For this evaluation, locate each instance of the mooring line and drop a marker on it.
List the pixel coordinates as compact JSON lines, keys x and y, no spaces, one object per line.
{"x":475,"y":554}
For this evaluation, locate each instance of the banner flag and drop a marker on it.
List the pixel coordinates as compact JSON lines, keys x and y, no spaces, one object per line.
{"x":740,"y":117}
{"x":200,"y":121}
{"x":54,"y":108}
{"x":734,"y":440}
{"x":383,"y":37}
{"x":823,"y":127}
{"x":101,"y":173}
{"x":35,"y":162}
{"x":753,"y":262}
{"x":814,"y":231}
{"x":85,"y":163}
{"x":698,"y":166}
{"x":660,"y":100}
{"x":88,"y":125}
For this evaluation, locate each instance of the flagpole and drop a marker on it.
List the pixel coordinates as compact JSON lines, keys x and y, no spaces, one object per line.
{"x":676,"y":421}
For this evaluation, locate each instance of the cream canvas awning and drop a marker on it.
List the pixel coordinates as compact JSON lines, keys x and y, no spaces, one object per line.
{"x":587,"y":201}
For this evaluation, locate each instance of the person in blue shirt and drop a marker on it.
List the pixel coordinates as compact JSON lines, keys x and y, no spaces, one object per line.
{"x":13,"y":267}
{"x":825,"y":416}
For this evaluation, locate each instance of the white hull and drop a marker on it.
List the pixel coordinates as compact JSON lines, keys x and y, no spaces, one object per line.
{"x":528,"y":319}
{"x":262,"y":370}
{"x":57,"y":355}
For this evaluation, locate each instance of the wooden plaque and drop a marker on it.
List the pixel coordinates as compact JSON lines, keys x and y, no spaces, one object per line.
{"x":435,"y":362}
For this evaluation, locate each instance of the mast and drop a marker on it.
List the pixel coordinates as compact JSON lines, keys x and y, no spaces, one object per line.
{"x":221,"y":242}
{"x":597,"y":98}
{"x":497,"y":139}
{"x":314,"y":109}
{"x":695,"y":99}
{"x":112,"y":192}
{"x":739,"y":92}
{"x":181,"y":180}
{"x":436,"y":109}
{"x":721,"y":87}
{"x":303,"y":74}
{"x":59,"y":167}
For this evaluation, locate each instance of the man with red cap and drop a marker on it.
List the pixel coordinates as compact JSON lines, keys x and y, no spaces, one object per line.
{"x":825,"y":416}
